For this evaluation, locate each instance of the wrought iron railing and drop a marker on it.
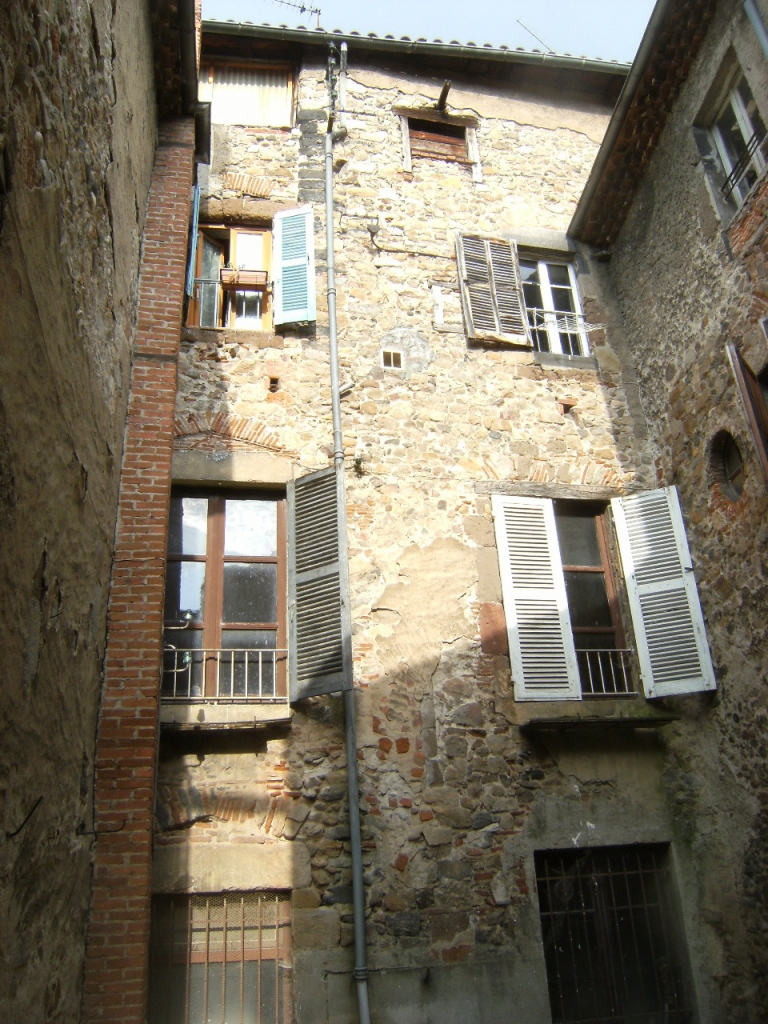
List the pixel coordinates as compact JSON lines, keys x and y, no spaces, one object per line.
{"x":605,"y":673}
{"x":744,"y":163}
{"x":232,"y":674}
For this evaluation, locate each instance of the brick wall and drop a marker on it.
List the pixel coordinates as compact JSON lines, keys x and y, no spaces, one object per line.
{"x":116,"y":964}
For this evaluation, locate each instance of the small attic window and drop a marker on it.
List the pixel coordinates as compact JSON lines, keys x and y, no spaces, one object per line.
{"x":429,"y":134}
{"x":391,"y":359}
{"x":437,"y":140}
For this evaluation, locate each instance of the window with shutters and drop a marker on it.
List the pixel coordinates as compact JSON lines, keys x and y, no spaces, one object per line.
{"x":257,"y":595}
{"x":259,"y":95}
{"x":225,"y":597}
{"x":220,"y":957}
{"x":491,"y":290}
{"x":754,"y":394}
{"x":253,"y":278}
{"x":565,"y":634}
{"x":552,"y":306}
{"x":231,"y":277}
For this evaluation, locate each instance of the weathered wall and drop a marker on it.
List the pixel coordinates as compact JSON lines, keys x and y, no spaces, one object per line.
{"x":76,"y":147}
{"x":455,"y":796}
{"x":686,"y":289}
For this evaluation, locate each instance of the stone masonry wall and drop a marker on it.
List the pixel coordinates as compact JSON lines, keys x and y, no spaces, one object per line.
{"x":455,"y":797}
{"x":687,"y":288}
{"x":77,"y":134}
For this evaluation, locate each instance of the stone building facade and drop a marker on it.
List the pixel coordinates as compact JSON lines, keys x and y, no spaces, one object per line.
{"x":688,"y":270}
{"x":490,"y":821}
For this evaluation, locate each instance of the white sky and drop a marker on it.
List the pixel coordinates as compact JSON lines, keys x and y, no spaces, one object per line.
{"x":610,"y":29}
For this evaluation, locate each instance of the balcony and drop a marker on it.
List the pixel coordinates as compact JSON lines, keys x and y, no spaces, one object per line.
{"x":223,"y":687}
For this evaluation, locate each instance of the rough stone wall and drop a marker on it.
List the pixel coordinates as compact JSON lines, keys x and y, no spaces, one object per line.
{"x":76,"y":147}
{"x":455,"y":797}
{"x":687,"y":289}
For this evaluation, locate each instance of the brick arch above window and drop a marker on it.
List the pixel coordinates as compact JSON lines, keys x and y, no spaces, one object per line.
{"x":225,"y":432}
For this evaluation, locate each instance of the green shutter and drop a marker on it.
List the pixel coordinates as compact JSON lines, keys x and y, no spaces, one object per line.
{"x":319,"y":623}
{"x":293,"y":292}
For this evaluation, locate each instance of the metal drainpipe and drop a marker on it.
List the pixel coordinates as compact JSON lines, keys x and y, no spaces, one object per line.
{"x":757,"y":24}
{"x":358,"y":888}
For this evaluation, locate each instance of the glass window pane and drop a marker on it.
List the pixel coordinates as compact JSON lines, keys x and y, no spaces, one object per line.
{"x":250,"y":592}
{"x":558,"y":274}
{"x":587,"y":599}
{"x":248,"y":309}
{"x":250,"y":251}
{"x":184,"y":591}
{"x":187,"y":526}
{"x":531,"y":289}
{"x":578,"y":539}
{"x":250,"y":529}
{"x":746,"y":97}
{"x":211,"y":259}
{"x":562,"y":300}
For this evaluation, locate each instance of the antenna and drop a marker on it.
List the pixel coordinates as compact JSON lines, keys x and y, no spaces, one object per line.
{"x":534,"y":36}
{"x":301,"y":8}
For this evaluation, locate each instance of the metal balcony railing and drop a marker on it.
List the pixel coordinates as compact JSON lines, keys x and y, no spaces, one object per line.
{"x":238,"y":674}
{"x":605,"y":673}
{"x":753,"y":158}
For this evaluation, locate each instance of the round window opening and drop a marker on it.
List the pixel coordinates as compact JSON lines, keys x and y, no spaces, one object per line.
{"x":727,"y":465}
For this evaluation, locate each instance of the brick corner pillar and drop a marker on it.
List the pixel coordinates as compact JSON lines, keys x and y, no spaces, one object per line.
{"x":116,"y":965}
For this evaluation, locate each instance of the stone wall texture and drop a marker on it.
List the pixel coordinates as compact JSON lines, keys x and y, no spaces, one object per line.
{"x":688,"y":285}
{"x":77,"y":135}
{"x":455,"y":796}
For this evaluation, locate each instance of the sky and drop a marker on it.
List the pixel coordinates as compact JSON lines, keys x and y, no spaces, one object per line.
{"x":611,"y":29}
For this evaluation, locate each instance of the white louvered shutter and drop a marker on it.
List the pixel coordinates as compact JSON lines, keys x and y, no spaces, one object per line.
{"x":666,"y":614}
{"x":541,"y":648}
{"x":293,"y":262}
{"x":319,"y":624}
{"x":491,"y":289}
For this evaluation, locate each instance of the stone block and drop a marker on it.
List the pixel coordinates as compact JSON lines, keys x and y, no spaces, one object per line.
{"x":437,"y":835}
{"x":316,"y":929}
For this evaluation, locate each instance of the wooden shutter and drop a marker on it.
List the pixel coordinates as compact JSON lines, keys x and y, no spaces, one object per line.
{"x":293,"y":263}
{"x":669,"y":627}
{"x":491,"y":289}
{"x":190,"y":288}
{"x":319,"y":624}
{"x":541,"y":645}
{"x":754,"y":404}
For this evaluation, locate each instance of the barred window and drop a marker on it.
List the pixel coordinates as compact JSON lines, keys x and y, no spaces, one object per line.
{"x":612,"y":944}
{"x":221,"y":958}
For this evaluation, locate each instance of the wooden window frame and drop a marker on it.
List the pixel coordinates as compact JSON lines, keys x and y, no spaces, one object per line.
{"x":207,"y":76}
{"x":214,"y":559}
{"x":232,"y":279}
{"x":587,"y":511}
{"x":756,"y":161}
{"x":754,"y":404}
{"x":426,"y":151}
{"x":549,"y":327}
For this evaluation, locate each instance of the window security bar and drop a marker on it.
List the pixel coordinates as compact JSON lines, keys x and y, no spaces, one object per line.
{"x":605,"y":673}
{"x":565,"y":323}
{"x":221,"y":959}
{"x":240,"y":674}
{"x":744,"y":163}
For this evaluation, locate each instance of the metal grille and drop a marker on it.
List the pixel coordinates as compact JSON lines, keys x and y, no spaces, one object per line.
{"x":239,"y":674}
{"x":220,"y":959}
{"x":605,"y":673}
{"x":745,"y":163}
{"x":610,"y":936}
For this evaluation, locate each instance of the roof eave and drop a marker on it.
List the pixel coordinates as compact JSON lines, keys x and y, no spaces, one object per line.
{"x":416,"y":48}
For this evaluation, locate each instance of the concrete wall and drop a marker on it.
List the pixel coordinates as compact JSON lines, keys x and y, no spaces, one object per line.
{"x":76,"y":148}
{"x":455,"y":795}
{"x":688,"y":284}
